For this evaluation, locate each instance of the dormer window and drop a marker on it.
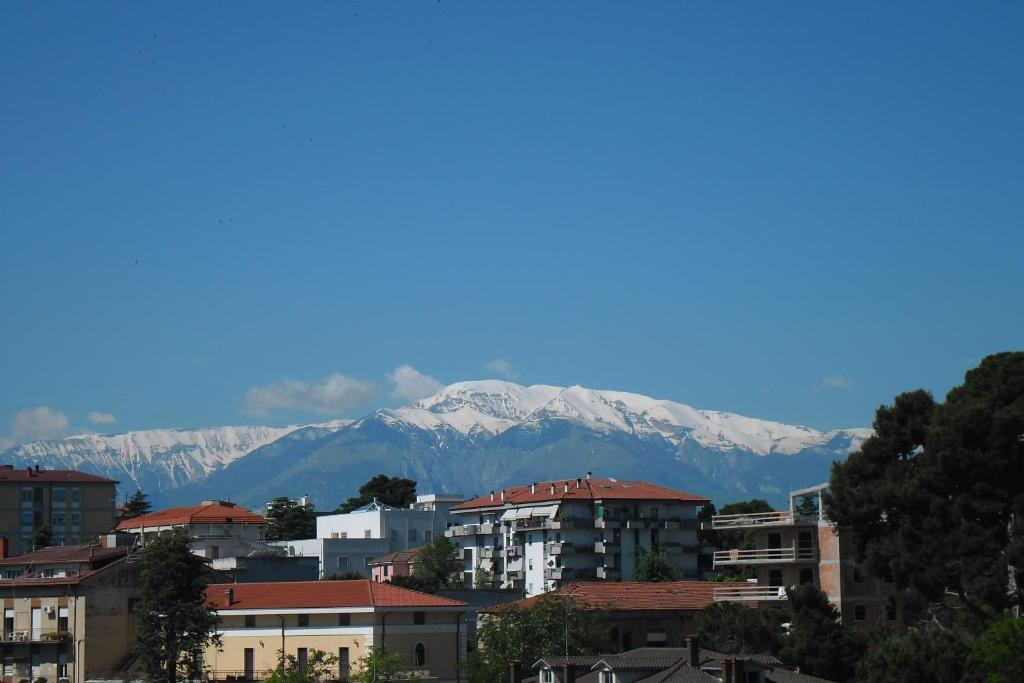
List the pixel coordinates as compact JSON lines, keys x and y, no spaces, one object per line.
{"x":547,"y":676}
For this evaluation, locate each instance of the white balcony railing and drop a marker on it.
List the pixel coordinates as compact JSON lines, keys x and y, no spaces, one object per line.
{"x":764,"y":556}
{"x":752,"y":593}
{"x":760,"y":519}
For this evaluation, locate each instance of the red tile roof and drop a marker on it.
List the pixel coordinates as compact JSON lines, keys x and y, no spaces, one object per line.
{"x":32,"y":579}
{"x":215,"y":512}
{"x":71,"y":554}
{"x":632,"y":596}
{"x":588,"y":489}
{"x":409,"y":555}
{"x":313,"y":594}
{"x":53,"y":476}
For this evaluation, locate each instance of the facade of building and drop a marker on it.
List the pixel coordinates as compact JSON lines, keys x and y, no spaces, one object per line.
{"x":539,"y":537}
{"x":654,"y":615}
{"x":67,"y":614}
{"x":342,"y":618}
{"x":401,"y":563}
{"x":76,"y":506}
{"x":215,"y":528}
{"x":801,"y":546}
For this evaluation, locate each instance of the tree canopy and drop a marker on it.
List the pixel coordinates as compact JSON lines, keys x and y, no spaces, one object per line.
{"x":288,"y":520}
{"x":319,"y":666}
{"x":735,"y":629}
{"x":136,"y":506}
{"x":553,"y":624}
{"x":174,"y":620}
{"x":936,"y":496}
{"x":817,"y":643}
{"x":394,"y":491}
{"x":42,"y":538}
{"x":437,"y":565}
{"x":654,"y":566}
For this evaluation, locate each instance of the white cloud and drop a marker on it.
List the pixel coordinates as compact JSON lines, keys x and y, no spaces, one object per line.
{"x":98,"y":418}
{"x":411,"y":384}
{"x":837,"y":382}
{"x":334,"y":395}
{"x":39,"y":423}
{"x":502,"y":367}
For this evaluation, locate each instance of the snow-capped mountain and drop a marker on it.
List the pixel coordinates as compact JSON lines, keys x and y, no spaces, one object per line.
{"x":157,"y":460}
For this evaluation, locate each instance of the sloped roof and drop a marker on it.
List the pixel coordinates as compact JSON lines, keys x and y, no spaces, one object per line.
{"x":314,"y":594}
{"x":632,"y":596}
{"x":212,"y":512}
{"x":580,"y":489}
{"x":66,"y":554}
{"x":53,"y":476}
{"x":400,"y":556}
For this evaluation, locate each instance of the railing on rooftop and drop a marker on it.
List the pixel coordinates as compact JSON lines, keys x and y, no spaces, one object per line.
{"x":761,"y":519}
{"x":751,"y":593}
{"x":763,"y":556}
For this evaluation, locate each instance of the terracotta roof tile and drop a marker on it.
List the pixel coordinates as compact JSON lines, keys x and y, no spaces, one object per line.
{"x":312,"y":594}
{"x":400,"y":556}
{"x":216,"y":512}
{"x":632,"y":596}
{"x":53,"y":476}
{"x":588,"y":489}
{"x":66,"y":554}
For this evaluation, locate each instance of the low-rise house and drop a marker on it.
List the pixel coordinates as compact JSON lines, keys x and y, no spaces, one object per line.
{"x":341,"y":618}
{"x":656,"y":615}
{"x":542,"y":536}
{"x":67,"y":613}
{"x":215,"y":528}
{"x":687,"y":664}
{"x":802,"y":546}
{"x":401,"y":563}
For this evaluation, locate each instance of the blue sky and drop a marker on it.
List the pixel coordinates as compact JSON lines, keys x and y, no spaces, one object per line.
{"x":787,"y":210}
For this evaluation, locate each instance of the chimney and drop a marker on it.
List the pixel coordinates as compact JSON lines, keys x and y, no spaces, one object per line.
{"x":503,"y":495}
{"x":579,"y":482}
{"x":588,"y":474}
{"x":515,"y":671}
{"x":229,"y":593}
{"x":552,"y":488}
{"x":492,"y":496}
{"x":727,"y":670}
{"x":693,"y":651}
{"x":566,"y":489}
{"x":533,"y":487}
{"x":568,"y":673}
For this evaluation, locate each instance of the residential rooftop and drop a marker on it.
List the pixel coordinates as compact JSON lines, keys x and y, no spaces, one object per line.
{"x":11,"y":473}
{"x":314,"y":594}
{"x":208,"y":512}
{"x":627,"y":596}
{"x":578,"y":490}
{"x":400,"y":556}
{"x":66,"y":554}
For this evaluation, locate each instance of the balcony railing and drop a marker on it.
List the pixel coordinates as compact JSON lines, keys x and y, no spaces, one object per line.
{"x":752,"y":593}
{"x":760,"y":519}
{"x":764,"y":556}
{"x":607,"y":547}
{"x":465,"y":530}
{"x":35,"y":635}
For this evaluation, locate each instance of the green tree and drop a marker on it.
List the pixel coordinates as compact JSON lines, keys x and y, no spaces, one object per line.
{"x":936,"y":496}
{"x":999,"y":653}
{"x":817,"y":643}
{"x":347,"y":575}
{"x":173,"y":617}
{"x":929,"y":655}
{"x":437,"y":565}
{"x":136,"y":506}
{"x":413,"y":583}
{"x":483,"y":578}
{"x":741,"y":539}
{"x":288,"y":520}
{"x":653,"y":566}
{"x":553,"y":624}
{"x":42,"y":538}
{"x":377,"y":665}
{"x":394,"y":491}
{"x":735,"y":629}
{"x":319,"y":666}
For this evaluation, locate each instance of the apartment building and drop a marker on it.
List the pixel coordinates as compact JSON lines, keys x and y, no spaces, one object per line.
{"x":349,"y":541}
{"x":76,"y":506}
{"x":216,"y":528}
{"x":66,"y":614}
{"x":342,"y":618}
{"x":538,"y":537}
{"x":799,"y":546}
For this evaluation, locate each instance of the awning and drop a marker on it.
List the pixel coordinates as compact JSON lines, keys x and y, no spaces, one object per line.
{"x":530,"y":511}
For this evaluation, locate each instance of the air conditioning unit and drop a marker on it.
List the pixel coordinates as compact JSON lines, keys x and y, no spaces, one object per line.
{"x":48,"y":609}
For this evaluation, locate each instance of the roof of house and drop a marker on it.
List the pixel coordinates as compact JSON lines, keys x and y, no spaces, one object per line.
{"x":579,"y":489}
{"x":632,"y":596}
{"x":11,"y":473}
{"x":401,"y":556}
{"x":312,"y":594}
{"x":208,"y":512}
{"x":66,"y":554}
{"x":32,"y":579}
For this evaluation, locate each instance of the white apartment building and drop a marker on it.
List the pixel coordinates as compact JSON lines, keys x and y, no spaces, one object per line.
{"x":547,"y":534}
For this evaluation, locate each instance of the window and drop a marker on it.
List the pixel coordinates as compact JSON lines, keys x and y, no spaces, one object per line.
{"x":420,"y":655}
{"x":419,"y":617}
{"x":657,"y":637}
{"x":366,"y":533}
{"x":60,"y":496}
{"x":394,"y":535}
{"x":26,"y":495}
{"x":37,"y":495}
{"x":607,"y":677}
{"x":774,"y":541}
{"x":302,"y":656}
{"x":343,"y":534}
{"x":26,"y":519}
{"x":344,"y":619}
{"x":303,"y":620}
{"x":858,"y":575}
{"x":8,"y":667}
{"x":250,"y":621}
{"x":342,"y":563}
{"x":76,"y":495}
{"x":214,"y":552}
{"x":428,"y":535}
{"x":8,"y":621}
{"x":775,"y":578}
{"x":343,"y":663}
{"x":62,"y":619}
{"x":74,"y":519}
{"x":859,"y":613}
{"x":547,"y":676}
{"x":412,"y":535}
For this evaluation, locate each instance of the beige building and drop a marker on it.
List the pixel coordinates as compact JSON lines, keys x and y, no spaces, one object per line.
{"x":66,"y":614}
{"x":800,"y":546}
{"x":76,"y":506}
{"x":215,"y":528}
{"x":341,"y":618}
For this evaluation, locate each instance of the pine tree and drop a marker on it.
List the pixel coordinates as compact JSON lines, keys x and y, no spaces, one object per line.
{"x":136,"y":506}
{"x":654,"y":566}
{"x":42,"y":538}
{"x":287,"y":520}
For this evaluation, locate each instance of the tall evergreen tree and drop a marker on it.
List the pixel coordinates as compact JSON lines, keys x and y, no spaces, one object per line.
{"x":174,"y":620}
{"x":817,"y":643}
{"x":437,"y":565}
{"x":136,"y":506}
{"x":287,"y":520}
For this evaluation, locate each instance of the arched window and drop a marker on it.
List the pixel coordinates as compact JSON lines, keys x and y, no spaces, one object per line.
{"x":421,"y":655}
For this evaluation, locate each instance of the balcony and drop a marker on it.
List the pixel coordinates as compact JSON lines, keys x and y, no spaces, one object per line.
{"x":607,"y":547}
{"x":609,"y":573}
{"x":515,"y":575}
{"x":758,"y":520}
{"x":731,"y":558}
{"x":35,"y":635}
{"x":751,"y":593}
{"x":608,"y":523}
{"x":465,"y":530}
{"x":490,"y":553}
